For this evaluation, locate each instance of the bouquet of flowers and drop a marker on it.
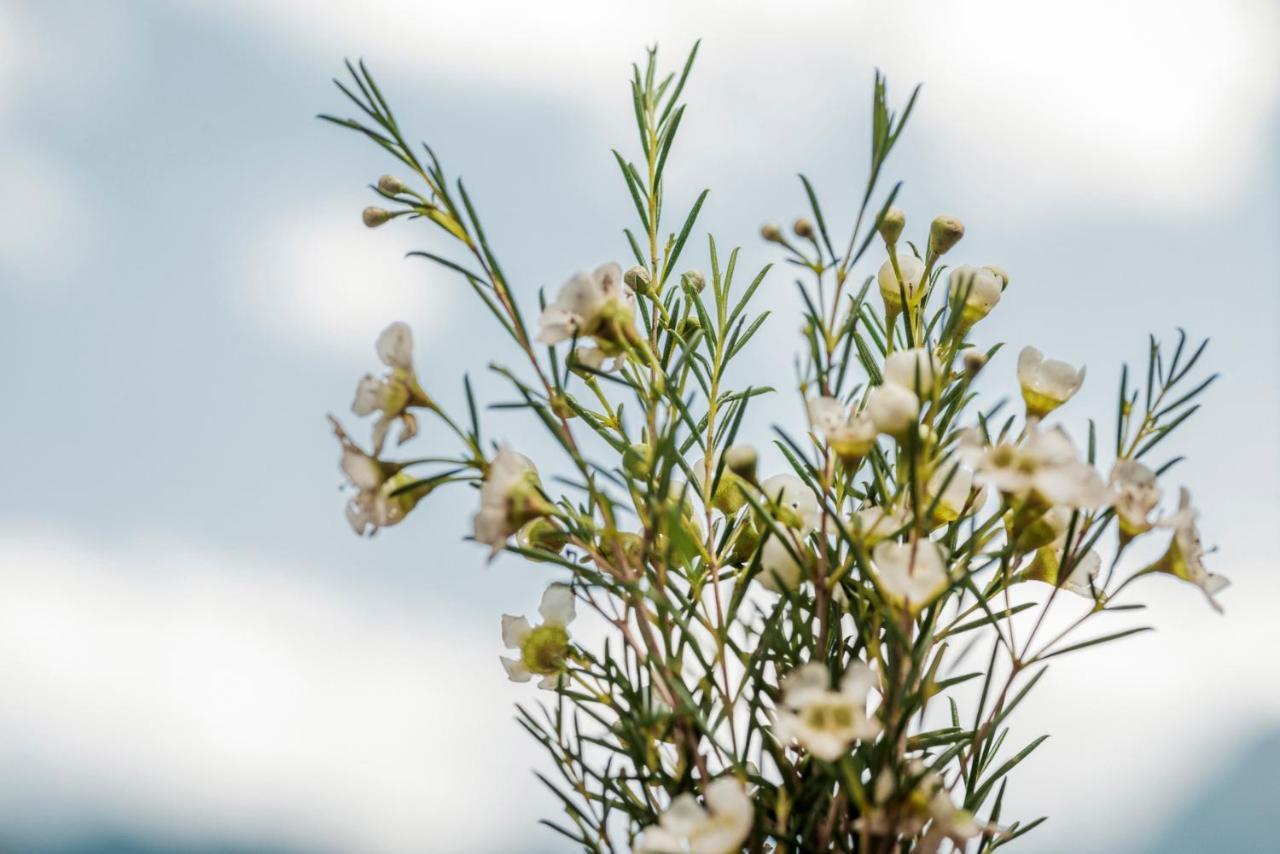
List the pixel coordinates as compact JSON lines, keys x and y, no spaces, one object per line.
{"x":820,"y":657}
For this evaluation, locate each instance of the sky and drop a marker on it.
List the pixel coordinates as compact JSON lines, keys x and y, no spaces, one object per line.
{"x":195,"y":652}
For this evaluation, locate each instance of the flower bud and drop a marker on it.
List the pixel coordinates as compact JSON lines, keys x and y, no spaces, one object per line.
{"x":637,"y":278}
{"x":391,"y":185}
{"x":999,"y":273}
{"x":742,"y":460}
{"x":374,"y":217}
{"x":974,"y":361}
{"x":693,"y":281}
{"x":690,"y":327}
{"x":637,"y":461}
{"x":542,"y":534}
{"x":891,"y":225}
{"x":771,"y":232}
{"x":944,"y":233}
{"x":803,"y":228}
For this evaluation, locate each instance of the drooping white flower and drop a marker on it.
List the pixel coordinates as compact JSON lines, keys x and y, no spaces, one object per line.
{"x":393,"y":395}
{"x":979,"y":287}
{"x":598,"y":306}
{"x":911,"y":269}
{"x":509,"y":497}
{"x":926,"y":807}
{"x":823,"y":721}
{"x":687,"y":827}
{"x":1185,"y":556}
{"x":1043,"y":465}
{"x":917,"y":370}
{"x":542,"y":647}
{"x":375,"y":503}
{"x":1046,"y":566}
{"x":1136,"y":494}
{"x":1046,"y":383}
{"x":893,"y":409}
{"x":850,"y":435}
{"x":910,"y":575}
{"x":875,"y":523}
{"x":794,"y":503}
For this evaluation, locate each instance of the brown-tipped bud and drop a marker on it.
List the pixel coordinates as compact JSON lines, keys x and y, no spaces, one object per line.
{"x":999,"y":274}
{"x":374,"y":217}
{"x":974,"y":361}
{"x":637,"y":278}
{"x":891,"y":226}
{"x":803,"y":228}
{"x":693,"y":281}
{"x":771,"y":232}
{"x":743,"y":461}
{"x":391,"y":185}
{"x":945,"y":233}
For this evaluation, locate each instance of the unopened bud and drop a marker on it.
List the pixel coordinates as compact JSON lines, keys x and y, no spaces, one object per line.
{"x":637,"y":278}
{"x":637,"y":461}
{"x":690,"y":326}
{"x":999,"y":274}
{"x":974,"y":361}
{"x":944,"y":233}
{"x":693,"y":281}
{"x":391,"y":185}
{"x":803,"y":228}
{"x":374,"y":217}
{"x":891,"y":226}
{"x":771,"y":232}
{"x":742,"y":460}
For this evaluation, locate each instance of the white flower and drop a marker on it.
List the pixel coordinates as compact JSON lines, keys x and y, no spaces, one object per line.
{"x":721,"y":827}
{"x":392,"y":396}
{"x":823,"y":721}
{"x":893,"y":409}
{"x":374,"y":505}
{"x":951,"y":494}
{"x":543,"y":647}
{"x":779,"y":569}
{"x":912,"y":270}
{"x":1044,"y":465}
{"x":598,"y":306}
{"x":980,"y":288}
{"x":851,"y":436}
{"x":1046,"y":566}
{"x":509,"y":497}
{"x":1046,"y":383}
{"x":917,"y":370}
{"x":1137,"y":494}
{"x":910,"y":574}
{"x":794,"y":503}
{"x":876,"y":523}
{"x":594,"y":358}
{"x":1185,"y":556}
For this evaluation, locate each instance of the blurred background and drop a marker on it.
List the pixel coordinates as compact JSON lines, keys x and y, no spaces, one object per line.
{"x":197,"y":655}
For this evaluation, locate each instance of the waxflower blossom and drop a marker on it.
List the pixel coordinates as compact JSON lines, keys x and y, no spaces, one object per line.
{"x":875,"y":523}
{"x":892,"y":409}
{"x":850,"y":435}
{"x":926,"y":807}
{"x":910,"y":575}
{"x":950,"y":491}
{"x":1044,"y":466}
{"x":906,"y":278}
{"x":543,"y":647}
{"x":1046,"y":566}
{"x":688,"y":827}
{"x":1184,"y":557}
{"x":980,"y":290}
{"x":1137,"y":494}
{"x":509,"y":497}
{"x":375,"y":504}
{"x":599,"y":306}
{"x":1046,"y":383}
{"x":917,"y":370}
{"x":793,"y":502}
{"x":393,"y":395}
{"x":823,"y":721}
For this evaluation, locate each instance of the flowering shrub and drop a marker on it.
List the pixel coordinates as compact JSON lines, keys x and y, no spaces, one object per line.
{"x":785,"y":664}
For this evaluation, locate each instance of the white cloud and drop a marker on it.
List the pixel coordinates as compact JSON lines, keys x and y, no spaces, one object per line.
{"x":190,"y":692}
{"x":318,"y":279}
{"x":1027,"y":105}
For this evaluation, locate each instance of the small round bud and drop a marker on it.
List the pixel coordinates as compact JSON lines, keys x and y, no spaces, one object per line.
{"x":693,"y":281}
{"x":742,"y":460}
{"x":690,"y":326}
{"x":391,"y":185}
{"x":1000,"y":274}
{"x":560,"y":406}
{"x":944,"y":233}
{"x":771,"y":232}
{"x":374,"y":217}
{"x":637,"y":278}
{"x":974,"y":361}
{"x":803,"y":228}
{"x":637,"y":461}
{"x":891,"y":226}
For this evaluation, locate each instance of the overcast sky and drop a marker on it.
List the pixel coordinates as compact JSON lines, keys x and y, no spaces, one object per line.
{"x":194,"y":648}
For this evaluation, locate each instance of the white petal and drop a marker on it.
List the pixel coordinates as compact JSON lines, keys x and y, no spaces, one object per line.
{"x":362,"y":469}
{"x":684,"y":815}
{"x":369,"y":396}
{"x":1029,"y":365}
{"x":514,"y":631}
{"x":915,"y":370}
{"x":892,"y":408}
{"x":805,"y":684}
{"x":395,"y":346}
{"x":858,"y":681}
{"x":557,"y":608}
{"x":790,"y":491}
{"x":516,"y":671}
